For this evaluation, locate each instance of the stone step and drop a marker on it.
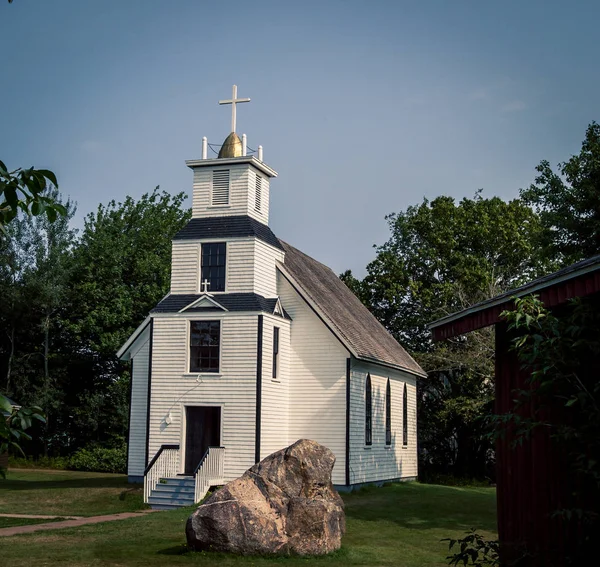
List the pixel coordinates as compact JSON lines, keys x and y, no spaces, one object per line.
{"x":178,"y":481}
{"x":160,"y":500}
{"x":175,"y":489}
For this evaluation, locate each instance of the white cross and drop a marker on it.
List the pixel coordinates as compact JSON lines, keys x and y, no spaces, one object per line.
{"x":205,"y":285}
{"x":233,"y":101}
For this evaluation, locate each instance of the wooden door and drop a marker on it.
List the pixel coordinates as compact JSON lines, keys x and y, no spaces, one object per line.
{"x":203,"y":430}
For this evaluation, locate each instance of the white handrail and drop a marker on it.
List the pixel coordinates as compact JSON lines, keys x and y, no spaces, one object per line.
{"x":211,"y":471}
{"x":165,"y":465}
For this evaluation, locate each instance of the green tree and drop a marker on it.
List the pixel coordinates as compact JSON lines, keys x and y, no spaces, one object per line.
{"x":443,"y":256}
{"x":14,"y":420}
{"x":25,"y":190}
{"x":34,"y":278}
{"x":121,"y":270}
{"x":568,"y":202}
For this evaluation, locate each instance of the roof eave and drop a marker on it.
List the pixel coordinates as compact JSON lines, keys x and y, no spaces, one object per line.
{"x":507,"y":297}
{"x":124,"y":350}
{"x":392,"y":365}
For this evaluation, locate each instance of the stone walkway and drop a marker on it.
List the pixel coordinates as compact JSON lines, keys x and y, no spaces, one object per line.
{"x":39,"y":517}
{"x":74,"y":522}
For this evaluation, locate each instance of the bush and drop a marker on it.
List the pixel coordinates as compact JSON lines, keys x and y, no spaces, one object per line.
{"x":100,"y":459}
{"x":59,"y":463}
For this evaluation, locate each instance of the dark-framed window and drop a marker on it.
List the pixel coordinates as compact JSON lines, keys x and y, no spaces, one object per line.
{"x":214,"y":258}
{"x":205,"y":342}
{"x":275,"y":350}
{"x":388,"y":414}
{"x":405,"y":417}
{"x":368,"y":412}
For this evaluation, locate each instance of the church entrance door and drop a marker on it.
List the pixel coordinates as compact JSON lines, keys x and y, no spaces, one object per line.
{"x":203,"y":430}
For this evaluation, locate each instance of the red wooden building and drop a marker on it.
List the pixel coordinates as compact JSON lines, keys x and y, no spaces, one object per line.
{"x":532,"y":478}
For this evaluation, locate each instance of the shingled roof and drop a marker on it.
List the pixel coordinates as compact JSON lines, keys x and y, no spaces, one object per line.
{"x":344,"y":312}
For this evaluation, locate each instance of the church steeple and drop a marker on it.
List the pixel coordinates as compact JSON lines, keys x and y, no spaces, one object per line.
{"x":234,"y":183}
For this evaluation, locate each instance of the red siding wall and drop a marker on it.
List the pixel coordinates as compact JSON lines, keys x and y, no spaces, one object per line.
{"x":532,"y":479}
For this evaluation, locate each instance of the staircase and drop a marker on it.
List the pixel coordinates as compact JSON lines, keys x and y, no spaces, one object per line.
{"x":173,"y":492}
{"x":164,"y":489}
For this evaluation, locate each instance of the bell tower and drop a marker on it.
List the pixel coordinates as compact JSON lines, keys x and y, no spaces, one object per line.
{"x":236,"y":182}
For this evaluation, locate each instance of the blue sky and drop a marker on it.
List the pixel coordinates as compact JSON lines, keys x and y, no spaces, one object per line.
{"x":363,"y":108}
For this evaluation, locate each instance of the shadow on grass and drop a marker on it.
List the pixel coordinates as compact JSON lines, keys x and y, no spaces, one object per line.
{"x":424,"y":507}
{"x":175,"y":550}
{"x":49,"y":484}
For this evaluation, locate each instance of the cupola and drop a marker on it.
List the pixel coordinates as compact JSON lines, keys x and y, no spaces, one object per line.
{"x":236,"y":182}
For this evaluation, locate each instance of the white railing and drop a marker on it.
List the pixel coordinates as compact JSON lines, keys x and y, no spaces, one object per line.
{"x":209,"y":472}
{"x":164,"y":464}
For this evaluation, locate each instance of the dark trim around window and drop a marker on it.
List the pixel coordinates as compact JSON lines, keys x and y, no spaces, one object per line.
{"x":205,"y":346}
{"x":388,"y":414}
{"x":405,"y":417}
{"x":275,"y":350}
{"x":213,"y":261}
{"x":368,"y":412}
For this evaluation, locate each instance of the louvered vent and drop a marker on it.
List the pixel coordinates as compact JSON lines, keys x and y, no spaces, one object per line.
{"x":220,"y":187}
{"x":258,"y":193}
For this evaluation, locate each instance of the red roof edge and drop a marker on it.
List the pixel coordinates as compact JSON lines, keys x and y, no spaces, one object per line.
{"x":554,"y":294}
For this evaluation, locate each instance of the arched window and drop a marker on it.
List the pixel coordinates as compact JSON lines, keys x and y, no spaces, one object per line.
{"x":405,"y":417}
{"x":388,"y":414}
{"x":368,"y":412}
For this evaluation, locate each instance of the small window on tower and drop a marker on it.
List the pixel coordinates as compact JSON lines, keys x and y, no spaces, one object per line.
{"x":213,"y":265}
{"x":258,"y":193}
{"x":220,"y":187}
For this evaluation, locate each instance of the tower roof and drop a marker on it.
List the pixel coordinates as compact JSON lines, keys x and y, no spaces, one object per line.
{"x":232,"y":147}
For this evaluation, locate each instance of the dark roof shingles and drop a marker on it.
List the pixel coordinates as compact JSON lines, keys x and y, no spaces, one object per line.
{"x":227,"y":227}
{"x":351,"y":319}
{"x":231,"y":301}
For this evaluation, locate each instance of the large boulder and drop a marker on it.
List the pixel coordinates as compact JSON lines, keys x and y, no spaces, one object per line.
{"x":286,"y":504}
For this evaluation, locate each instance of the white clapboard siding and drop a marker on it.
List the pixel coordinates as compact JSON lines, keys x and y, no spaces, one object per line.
{"x":317,"y":392}
{"x":265,"y":271}
{"x":261,"y":214}
{"x":240,"y":266}
{"x":275,"y":392}
{"x":139,"y":406}
{"x":378,"y":461}
{"x":234,"y":389}
{"x":185,"y":266}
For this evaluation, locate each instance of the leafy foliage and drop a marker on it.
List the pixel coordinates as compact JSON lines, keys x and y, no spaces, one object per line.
{"x":100,"y":459}
{"x":562,"y":396}
{"x":14,"y":420}
{"x":568,"y":202}
{"x":24,"y":190}
{"x":474,"y":549}
{"x":443,"y":256}
{"x":70,"y":302}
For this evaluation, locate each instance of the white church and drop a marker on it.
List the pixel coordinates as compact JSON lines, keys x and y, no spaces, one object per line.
{"x":258,"y":345}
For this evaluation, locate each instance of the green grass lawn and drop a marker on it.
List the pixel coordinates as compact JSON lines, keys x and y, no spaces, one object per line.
{"x":399,"y":525}
{"x":12,"y":522}
{"x":66,"y":493}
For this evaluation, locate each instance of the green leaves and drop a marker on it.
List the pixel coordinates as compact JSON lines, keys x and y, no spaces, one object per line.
{"x":568,"y":203}
{"x":26,"y":190}
{"x":13,"y":423}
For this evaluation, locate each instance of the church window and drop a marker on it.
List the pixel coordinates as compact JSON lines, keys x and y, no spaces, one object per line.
{"x":388,"y":414}
{"x":405,"y":417}
{"x":275,"y":350}
{"x":368,"y":412}
{"x":214,"y":256}
{"x":220,"y":187}
{"x":205,"y":340}
{"x":258,"y":193}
